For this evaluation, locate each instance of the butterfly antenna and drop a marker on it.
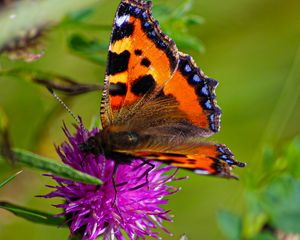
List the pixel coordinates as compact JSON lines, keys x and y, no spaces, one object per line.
{"x":65,"y":107}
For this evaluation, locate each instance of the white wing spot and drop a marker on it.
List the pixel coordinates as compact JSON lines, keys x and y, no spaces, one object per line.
{"x":202,"y":172}
{"x":122,"y":19}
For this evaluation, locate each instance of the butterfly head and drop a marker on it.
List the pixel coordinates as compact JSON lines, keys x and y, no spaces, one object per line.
{"x":92,"y":145}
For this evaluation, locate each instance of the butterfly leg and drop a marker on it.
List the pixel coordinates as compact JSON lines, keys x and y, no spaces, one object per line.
{"x":146,"y":173}
{"x":84,"y":157}
{"x":115,"y":188}
{"x":114,"y":183}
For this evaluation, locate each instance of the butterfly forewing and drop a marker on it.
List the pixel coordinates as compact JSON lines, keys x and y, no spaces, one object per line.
{"x":140,"y":60}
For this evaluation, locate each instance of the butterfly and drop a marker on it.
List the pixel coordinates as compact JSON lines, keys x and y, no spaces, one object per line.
{"x":156,"y":103}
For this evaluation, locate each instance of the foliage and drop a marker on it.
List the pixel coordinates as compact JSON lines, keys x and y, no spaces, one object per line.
{"x":177,"y":22}
{"x":59,"y":169}
{"x":33,"y":215}
{"x":272,"y":197}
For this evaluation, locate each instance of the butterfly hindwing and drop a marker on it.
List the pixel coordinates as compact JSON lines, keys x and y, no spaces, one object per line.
{"x":209,"y":159}
{"x":140,"y":60}
{"x":195,"y":94}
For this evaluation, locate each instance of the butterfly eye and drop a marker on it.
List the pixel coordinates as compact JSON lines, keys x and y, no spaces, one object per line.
{"x":132,"y":137}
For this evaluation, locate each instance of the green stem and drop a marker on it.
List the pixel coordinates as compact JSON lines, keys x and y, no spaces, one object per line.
{"x":286,"y":103}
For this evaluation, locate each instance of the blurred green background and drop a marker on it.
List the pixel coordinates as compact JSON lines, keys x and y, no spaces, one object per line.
{"x":251,"y":48}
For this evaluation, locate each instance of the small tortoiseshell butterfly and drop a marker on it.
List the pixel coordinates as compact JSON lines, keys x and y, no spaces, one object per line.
{"x":156,"y":103}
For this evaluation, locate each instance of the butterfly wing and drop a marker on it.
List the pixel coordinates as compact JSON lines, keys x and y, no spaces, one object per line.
{"x":157,"y":98}
{"x":140,"y":60}
{"x":204,"y":159}
{"x":195,"y":96}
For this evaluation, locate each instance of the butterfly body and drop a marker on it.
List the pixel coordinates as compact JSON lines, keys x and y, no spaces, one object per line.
{"x":156,"y":103}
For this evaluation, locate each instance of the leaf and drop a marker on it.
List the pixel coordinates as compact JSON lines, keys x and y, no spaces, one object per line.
{"x":292,"y":156}
{"x":264,"y":236}
{"x":255,"y":218}
{"x":58,"y":169}
{"x":189,"y":42}
{"x":194,"y":20}
{"x":80,"y":15}
{"x":176,"y":23}
{"x":6,"y":181}
{"x":33,"y":215}
{"x":282,"y":203}
{"x":80,"y":44}
{"x":268,"y":158}
{"x":88,"y":49}
{"x":230,"y":224}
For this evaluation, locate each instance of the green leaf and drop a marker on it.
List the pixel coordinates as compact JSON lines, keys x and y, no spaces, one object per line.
{"x":282,"y":203}
{"x":264,"y":236}
{"x":230,"y":224}
{"x":88,"y":49}
{"x":256,"y":217}
{"x":189,"y":42}
{"x":58,"y":169}
{"x":80,"y":15}
{"x":292,"y":156}
{"x":33,"y":215}
{"x":176,"y":23}
{"x":194,"y":20}
{"x":6,"y":181}
{"x":268,"y":158}
{"x":80,"y":44}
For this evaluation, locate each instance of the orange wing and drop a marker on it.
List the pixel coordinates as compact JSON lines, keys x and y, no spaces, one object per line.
{"x":195,"y":94}
{"x":210,"y":159}
{"x":140,"y":60}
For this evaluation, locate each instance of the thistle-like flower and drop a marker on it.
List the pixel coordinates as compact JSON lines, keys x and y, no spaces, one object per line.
{"x":90,"y":210}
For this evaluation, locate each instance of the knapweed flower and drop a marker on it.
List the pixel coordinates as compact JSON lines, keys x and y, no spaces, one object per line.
{"x":90,"y":210}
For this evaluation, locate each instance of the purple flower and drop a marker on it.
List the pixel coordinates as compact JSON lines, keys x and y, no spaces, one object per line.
{"x":90,"y":210}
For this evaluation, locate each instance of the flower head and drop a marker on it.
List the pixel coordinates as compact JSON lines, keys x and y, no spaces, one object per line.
{"x":90,"y":210}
